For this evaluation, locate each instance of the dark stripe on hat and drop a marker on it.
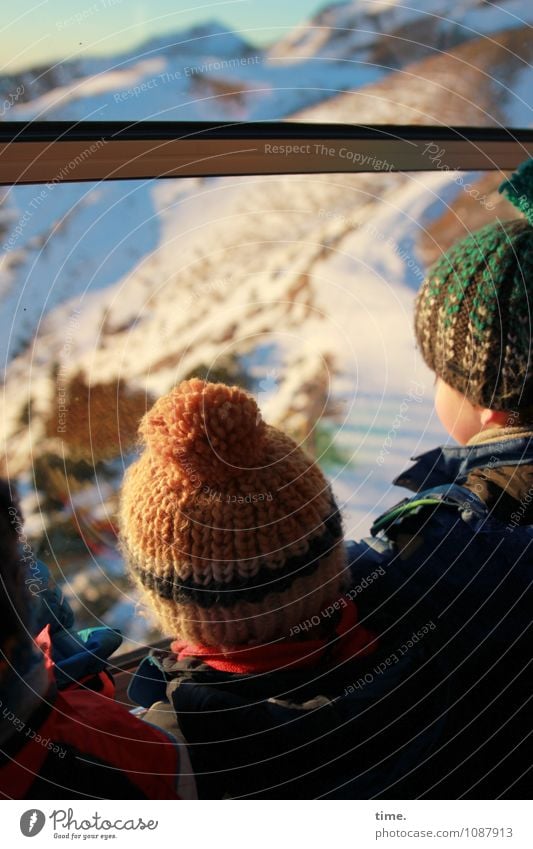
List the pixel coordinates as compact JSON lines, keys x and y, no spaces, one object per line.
{"x":253,"y":589}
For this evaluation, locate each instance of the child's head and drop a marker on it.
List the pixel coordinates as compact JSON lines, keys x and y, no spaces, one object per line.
{"x":473,"y":321}
{"x":228,"y":527}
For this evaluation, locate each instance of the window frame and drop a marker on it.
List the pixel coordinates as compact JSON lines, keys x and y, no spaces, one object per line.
{"x":53,"y":152}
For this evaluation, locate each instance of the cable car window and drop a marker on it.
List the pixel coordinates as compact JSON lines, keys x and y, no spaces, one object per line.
{"x":297,"y":287}
{"x":367,"y":62}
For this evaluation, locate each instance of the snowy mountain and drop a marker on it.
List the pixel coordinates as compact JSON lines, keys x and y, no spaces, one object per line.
{"x":209,"y":72}
{"x":209,"y":39}
{"x":203,"y":73}
{"x":396,"y":33}
{"x":300,"y":287}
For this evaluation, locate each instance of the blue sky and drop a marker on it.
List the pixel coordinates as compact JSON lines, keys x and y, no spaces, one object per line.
{"x":47,"y":30}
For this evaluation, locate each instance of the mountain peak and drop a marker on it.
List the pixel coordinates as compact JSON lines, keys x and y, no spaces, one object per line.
{"x":207,"y":37}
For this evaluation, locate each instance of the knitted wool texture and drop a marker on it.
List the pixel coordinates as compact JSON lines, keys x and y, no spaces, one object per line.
{"x":473,"y":312}
{"x":229,"y":528}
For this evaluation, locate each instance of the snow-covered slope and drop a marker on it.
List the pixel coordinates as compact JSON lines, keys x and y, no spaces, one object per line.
{"x":205,"y":73}
{"x":484,"y":82}
{"x":211,"y":39}
{"x":204,"y":89}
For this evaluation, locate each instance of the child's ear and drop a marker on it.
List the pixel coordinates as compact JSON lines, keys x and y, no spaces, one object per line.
{"x":494,"y":417}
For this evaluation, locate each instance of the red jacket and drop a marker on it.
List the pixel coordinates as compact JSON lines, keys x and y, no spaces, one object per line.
{"x":79,"y":743}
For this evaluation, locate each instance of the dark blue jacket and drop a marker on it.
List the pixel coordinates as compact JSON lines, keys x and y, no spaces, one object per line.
{"x":440,"y":711}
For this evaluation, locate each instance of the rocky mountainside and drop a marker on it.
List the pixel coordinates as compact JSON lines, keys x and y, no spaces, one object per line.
{"x":483,"y":82}
{"x":394,"y":34}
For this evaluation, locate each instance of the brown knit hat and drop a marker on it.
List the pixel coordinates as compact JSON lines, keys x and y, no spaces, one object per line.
{"x":229,"y":528}
{"x":473,"y":315}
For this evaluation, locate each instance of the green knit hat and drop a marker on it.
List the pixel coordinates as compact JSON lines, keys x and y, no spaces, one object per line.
{"x":473,"y":314}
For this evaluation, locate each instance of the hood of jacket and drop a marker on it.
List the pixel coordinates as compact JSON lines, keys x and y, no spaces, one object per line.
{"x":499,"y":471}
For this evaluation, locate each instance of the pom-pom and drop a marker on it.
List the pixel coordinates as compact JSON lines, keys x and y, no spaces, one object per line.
{"x":519,"y":189}
{"x":212,"y":431}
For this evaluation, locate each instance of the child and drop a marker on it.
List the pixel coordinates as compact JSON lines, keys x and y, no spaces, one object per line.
{"x":304,"y":666}
{"x":461,"y":548}
{"x":234,"y":537}
{"x":61,"y":734}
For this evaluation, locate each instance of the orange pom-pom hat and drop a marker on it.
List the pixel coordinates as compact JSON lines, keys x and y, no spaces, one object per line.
{"x":229,"y":528}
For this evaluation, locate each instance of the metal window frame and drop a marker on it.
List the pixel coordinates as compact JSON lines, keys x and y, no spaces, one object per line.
{"x":53,"y":152}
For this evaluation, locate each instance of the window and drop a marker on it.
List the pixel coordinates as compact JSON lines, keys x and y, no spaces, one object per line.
{"x":298,"y":287}
{"x":272,"y":262}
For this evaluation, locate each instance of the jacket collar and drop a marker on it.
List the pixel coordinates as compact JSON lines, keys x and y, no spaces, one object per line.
{"x":452,"y":464}
{"x":347,"y":641}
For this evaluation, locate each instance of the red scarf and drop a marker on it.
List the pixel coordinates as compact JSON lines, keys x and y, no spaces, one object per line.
{"x":350,"y":641}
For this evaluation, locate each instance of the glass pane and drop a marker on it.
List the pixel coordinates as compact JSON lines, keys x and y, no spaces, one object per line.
{"x":299,"y":288}
{"x":370,"y":61}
